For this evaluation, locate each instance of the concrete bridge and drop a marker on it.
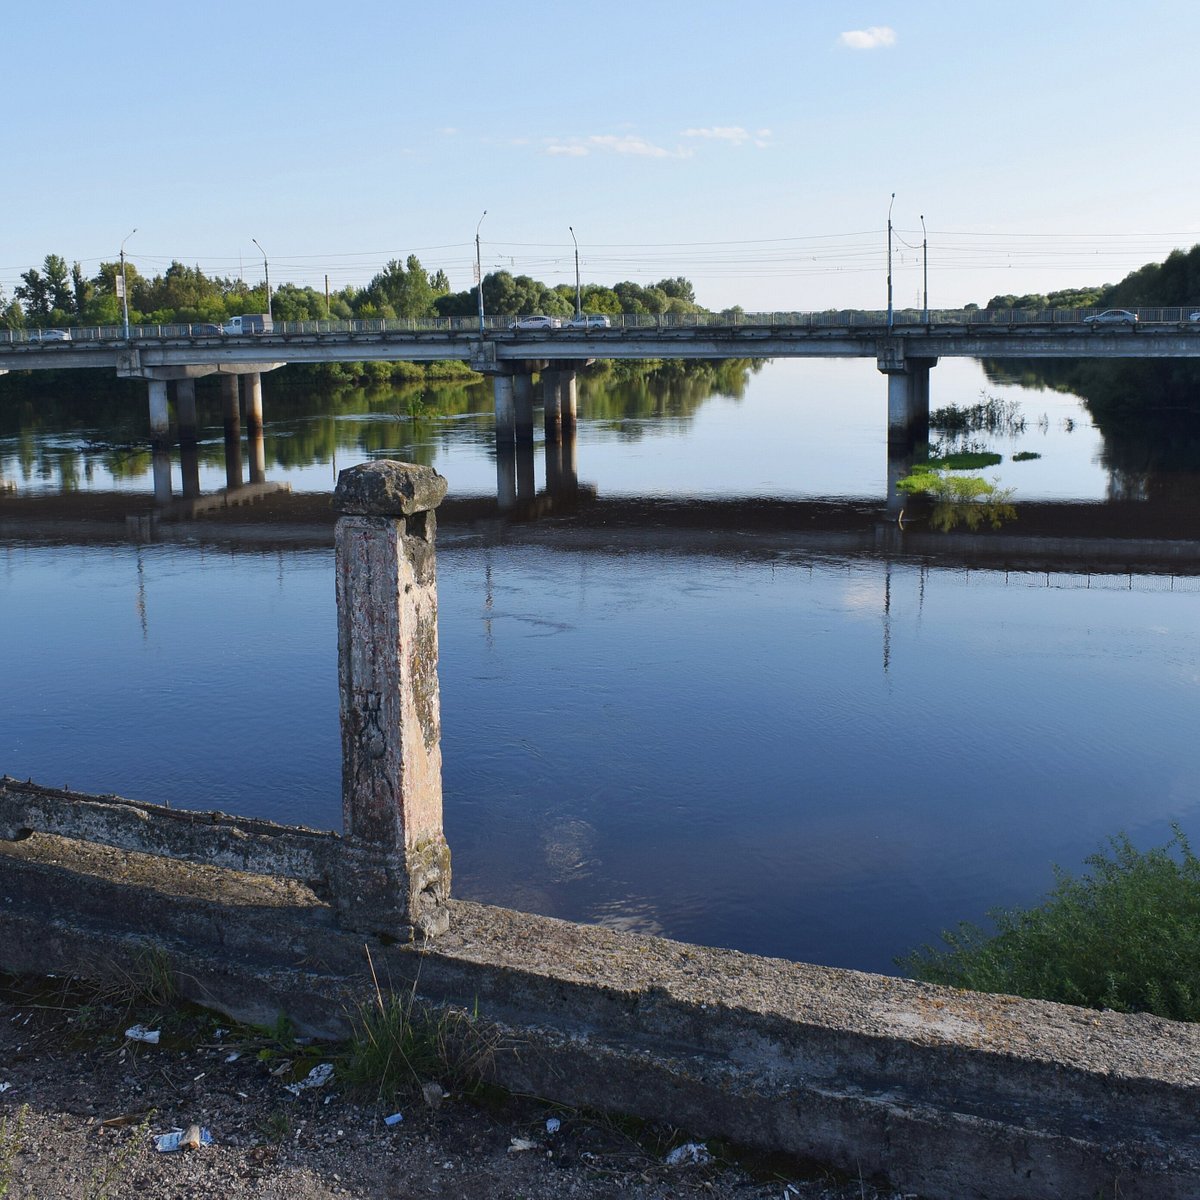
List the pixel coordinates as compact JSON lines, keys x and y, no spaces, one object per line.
{"x":905,"y":347}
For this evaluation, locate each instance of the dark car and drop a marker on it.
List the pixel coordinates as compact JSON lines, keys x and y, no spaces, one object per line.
{"x":204,"y":329}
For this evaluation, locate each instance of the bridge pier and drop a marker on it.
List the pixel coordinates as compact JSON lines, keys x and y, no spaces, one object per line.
{"x":552,"y":393}
{"x":189,"y":468}
{"x":506,"y":412}
{"x":908,"y":393}
{"x":160,"y":462}
{"x":233,"y":431}
{"x":523,"y":405}
{"x":185,"y":409}
{"x":252,"y":398}
{"x":160,"y":416}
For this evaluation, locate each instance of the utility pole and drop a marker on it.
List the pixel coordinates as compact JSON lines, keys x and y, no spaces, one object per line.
{"x":890,"y":313}
{"x":578,"y":304}
{"x":479,"y":272}
{"x":124,"y":287}
{"x":924,"y":272}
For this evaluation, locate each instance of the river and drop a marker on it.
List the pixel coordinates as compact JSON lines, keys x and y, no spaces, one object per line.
{"x":682,"y":697}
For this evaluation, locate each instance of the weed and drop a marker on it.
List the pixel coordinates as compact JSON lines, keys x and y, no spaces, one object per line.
{"x":276,"y":1126}
{"x":398,"y":1044}
{"x":11,"y":1131}
{"x":1123,"y":936}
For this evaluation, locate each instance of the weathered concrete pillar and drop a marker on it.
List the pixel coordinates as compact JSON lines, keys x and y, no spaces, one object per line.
{"x":568,"y":399}
{"x":506,"y":417}
{"x":554,"y":467}
{"x":523,"y":404}
{"x":185,"y":409}
{"x":552,"y":404}
{"x":160,"y":462}
{"x":252,"y":395}
{"x":160,"y":417}
{"x":397,"y":878}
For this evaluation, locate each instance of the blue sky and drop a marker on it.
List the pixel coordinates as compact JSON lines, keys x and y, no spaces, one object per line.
{"x":752,"y":147}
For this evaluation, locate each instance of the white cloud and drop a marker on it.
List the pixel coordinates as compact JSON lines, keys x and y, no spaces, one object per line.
{"x":623,"y":144}
{"x":868,"y":39}
{"x":722,"y":133}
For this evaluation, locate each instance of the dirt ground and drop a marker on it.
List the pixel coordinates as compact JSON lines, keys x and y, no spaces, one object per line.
{"x":82,"y":1106}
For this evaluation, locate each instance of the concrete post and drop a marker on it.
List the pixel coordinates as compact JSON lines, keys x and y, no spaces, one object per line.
{"x":552,"y":403}
{"x":233,"y":431}
{"x":568,"y":402}
{"x":189,"y":469}
{"x":506,"y":417}
{"x":526,"y":473}
{"x":185,"y":409}
{"x":252,"y":393}
{"x":160,"y":418}
{"x":908,"y":393}
{"x":523,"y":403}
{"x":397,"y":876}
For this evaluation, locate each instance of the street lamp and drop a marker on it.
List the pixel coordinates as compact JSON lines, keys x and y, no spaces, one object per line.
{"x":267,"y":273}
{"x":124,"y":289}
{"x":479,"y":273}
{"x":924,"y":272}
{"x":890,"y":315}
{"x":578,"y":305}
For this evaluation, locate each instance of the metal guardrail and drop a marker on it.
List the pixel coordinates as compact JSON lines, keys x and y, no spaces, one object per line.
{"x":467,"y":326}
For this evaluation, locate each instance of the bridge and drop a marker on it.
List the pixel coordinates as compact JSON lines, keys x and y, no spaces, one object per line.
{"x":904,"y":344}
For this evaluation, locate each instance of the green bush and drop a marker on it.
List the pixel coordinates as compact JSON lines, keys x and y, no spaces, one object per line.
{"x":1124,"y":936}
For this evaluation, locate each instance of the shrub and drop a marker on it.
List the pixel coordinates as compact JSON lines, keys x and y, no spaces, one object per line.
{"x":1123,"y":936}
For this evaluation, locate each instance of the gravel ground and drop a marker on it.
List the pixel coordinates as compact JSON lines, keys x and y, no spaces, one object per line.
{"x":81,"y":1107}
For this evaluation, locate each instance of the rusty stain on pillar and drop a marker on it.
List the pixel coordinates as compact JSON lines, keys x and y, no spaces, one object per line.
{"x":397,"y":877}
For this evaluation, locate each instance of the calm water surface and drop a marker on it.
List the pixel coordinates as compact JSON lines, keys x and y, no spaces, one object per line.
{"x":820,"y":757}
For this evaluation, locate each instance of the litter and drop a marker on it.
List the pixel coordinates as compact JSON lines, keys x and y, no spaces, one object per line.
{"x":139,"y":1033}
{"x":5,"y":1086}
{"x":519,"y":1144}
{"x":553,"y":1125}
{"x":319,"y":1076}
{"x":191,"y":1139}
{"x":233,"y":1057}
{"x":434,"y":1094}
{"x":691,"y":1154}
{"x":394,"y":1119}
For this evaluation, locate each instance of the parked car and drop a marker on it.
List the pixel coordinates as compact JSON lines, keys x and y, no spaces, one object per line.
{"x":49,"y":335}
{"x":536,"y":321}
{"x":1112,"y":316}
{"x":588,"y":321}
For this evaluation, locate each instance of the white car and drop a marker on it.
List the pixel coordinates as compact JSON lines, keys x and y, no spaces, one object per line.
{"x":537,"y":321}
{"x":589,"y":321}
{"x":1112,"y":316}
{"x":49,"y":335}
{"x":1194,"y":317}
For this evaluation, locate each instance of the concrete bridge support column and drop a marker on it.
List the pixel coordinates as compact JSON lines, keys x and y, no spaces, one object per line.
{"x":526,"y":475}
{"x":506,"y":417}
{"x":552,"y":404}
{"x":252,"y":395}
{"x":908,"y":399}
{"x":185,"y":409}
{"x":233,"y":431}
{"x":189,"y":469}
{"x":568,"y":399}
{"x":160,"y":417}
{"x":523,"y":403}
{"x":397,"y":875}
{"x":258,"y":456}
{"x":506,"y":476}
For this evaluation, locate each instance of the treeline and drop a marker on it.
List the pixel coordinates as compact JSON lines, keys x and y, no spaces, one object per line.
{"x":1175,"y":282}
{"x":56,"y":294}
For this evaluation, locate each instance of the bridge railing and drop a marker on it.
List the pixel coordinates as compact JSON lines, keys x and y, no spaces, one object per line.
{"x":730,"y":318}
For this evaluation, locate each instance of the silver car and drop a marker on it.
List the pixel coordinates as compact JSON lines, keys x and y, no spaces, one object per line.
{"x":589,"y":321}
{"x":49,"y":335}
{"x":536,"y":321}
{"x":1112,"y":316}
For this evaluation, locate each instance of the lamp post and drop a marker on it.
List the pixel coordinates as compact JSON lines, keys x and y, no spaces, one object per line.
{"x":479,"y":272}
{"x":924,"y":272}
{"x":124,"y":289}
{"x":578,"y":304}
{"x":267,"y":274}
{"x":890,"y":314}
